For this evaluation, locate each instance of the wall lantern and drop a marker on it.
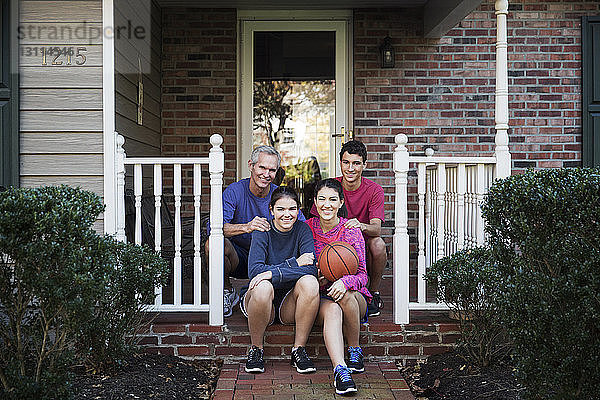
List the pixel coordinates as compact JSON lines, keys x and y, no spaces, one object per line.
{"x":387,"y":53}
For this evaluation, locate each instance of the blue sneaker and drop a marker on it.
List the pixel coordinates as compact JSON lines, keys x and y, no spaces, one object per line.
{"x":343,"y":382}
{"x":355,"y":359}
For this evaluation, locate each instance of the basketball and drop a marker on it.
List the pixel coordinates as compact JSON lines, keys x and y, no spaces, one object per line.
{"x":337,"y":259}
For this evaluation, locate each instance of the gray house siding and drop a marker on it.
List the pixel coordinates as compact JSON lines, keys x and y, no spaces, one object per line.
{"x":60,"y":104}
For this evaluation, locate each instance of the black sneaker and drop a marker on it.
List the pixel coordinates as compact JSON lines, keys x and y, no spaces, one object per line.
{"x":355,"y":359}
{"x":255,"y":362}
{"x":301,"y":361}
{"x":343,"y":380}
{"x":375,"y":306}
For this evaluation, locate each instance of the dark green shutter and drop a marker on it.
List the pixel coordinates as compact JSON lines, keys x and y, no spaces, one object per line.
{"x":590,"y":37}
{"x":9,"y":102}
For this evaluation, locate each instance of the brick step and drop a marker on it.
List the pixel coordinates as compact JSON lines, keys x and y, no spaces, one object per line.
{"x":430,"y":333}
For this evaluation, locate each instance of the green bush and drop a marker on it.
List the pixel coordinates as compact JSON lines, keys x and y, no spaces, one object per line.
{"x":128,"y":284}
{"x":468,"y":282}
{"x":544,"y":229}
{"x":55,"y":273}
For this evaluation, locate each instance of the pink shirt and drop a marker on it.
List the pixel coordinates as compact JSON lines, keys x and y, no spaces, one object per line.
{"x":364,"y":203}
{"x":353,"y":236}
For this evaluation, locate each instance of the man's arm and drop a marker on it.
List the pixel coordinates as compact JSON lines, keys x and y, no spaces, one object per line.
{"x":373,"y":228}
{"x":376,"y":210}
{"x":257,"y":224}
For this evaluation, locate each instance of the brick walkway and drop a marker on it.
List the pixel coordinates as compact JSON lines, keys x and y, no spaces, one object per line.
{"x":381,"y":380}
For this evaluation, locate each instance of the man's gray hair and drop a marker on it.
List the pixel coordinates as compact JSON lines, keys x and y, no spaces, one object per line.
{"x":267,"y":150}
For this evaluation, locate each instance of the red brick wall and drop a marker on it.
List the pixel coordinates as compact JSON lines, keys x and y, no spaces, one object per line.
{"x":441,"y":93}
{"x":199,"y":82}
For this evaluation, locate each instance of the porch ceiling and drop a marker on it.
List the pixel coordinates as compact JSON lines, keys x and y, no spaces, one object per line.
{"x":439,"y":16}
{"x":294,"y":4}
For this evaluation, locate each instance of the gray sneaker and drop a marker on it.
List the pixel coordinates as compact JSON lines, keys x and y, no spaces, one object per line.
{"x":230,"y":299}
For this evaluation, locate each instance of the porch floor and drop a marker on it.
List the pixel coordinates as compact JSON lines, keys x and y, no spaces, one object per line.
{"x":381,"y":380}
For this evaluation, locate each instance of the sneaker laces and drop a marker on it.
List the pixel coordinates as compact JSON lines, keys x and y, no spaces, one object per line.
{"x":301,"y":354}
{"x":343,"y":373}
{"x":377,"y":300}
{"x":355,"y":354}
{"x":254,"y":354}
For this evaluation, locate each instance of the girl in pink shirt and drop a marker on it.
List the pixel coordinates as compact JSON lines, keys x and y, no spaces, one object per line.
{"x":344,"y":301}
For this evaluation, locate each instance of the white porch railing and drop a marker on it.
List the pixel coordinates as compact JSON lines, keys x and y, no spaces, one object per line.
{"x":450,"y":191}
{"x":215,"y":164}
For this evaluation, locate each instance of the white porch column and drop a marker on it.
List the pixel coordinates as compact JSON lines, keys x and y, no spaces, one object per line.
{"x":503,"y":159}
{"x":401,"y":245}
{"x":108,"y":119}
{"x":216,"y":244}
{"x":120,"y":197}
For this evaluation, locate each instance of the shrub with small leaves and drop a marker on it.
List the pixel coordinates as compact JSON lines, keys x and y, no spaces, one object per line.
{"x":46,"y":284}
{"x":544,"y":231}
{"x":57,"y":277}
{"x":468,"y":282}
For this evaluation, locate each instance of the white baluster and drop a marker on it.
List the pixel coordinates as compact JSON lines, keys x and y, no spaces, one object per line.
{"x":157,"y":221}
{"x":441,"y":194}
{"x":429,"y":212}
{"x":216,"y":244}
{"x":451,"y":211}
{"x":428,"y":189}
{"x":177,"y":260}
{"x":137,"y":179}
{"x":197,"y":237}
{"x":421,"y":268}
{"x":480,"y":192}
{"x":461,"y":189}
{"x":503,"y":158}
{"x":470,"y":207}
{"x":120,"y":168}
{"x":401,"y":240}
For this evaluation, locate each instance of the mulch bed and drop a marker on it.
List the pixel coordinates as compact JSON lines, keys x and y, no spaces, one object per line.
{"x":447,"y":376}
{"x":152,"y":376}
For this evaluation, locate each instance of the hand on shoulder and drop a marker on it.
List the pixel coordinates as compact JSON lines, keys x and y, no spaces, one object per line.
{"x":353,"y":223}
{"x":258,"y":224}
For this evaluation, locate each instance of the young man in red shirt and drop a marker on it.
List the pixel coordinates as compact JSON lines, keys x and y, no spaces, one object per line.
{"x":364,"y":202}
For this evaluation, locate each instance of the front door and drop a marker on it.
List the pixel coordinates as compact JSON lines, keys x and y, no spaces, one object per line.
{"x":590,"y":38}
{"x":294,"y":96}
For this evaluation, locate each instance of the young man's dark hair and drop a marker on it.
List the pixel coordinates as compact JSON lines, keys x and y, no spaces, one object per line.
{"x":354,"y":147}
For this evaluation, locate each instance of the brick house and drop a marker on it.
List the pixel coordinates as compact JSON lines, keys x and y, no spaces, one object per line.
{"x":172,"y":73}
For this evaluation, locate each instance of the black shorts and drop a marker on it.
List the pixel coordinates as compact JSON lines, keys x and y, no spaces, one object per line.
{"x":241,"y":271}
{"x":364,"y":319}
{"x":278,"y":298}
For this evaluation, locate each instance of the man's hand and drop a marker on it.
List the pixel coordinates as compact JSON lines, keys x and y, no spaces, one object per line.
{"x":258,"y":224}
{"x":354,"y":223}
{"x":306,"y":259}
{"x":263,"y":276}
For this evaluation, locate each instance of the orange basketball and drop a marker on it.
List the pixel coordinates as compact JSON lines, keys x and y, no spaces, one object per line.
{"x":337,"y":259}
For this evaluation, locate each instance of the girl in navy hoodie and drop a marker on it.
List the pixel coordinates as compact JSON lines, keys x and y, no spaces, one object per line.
{"x":283,"y":281}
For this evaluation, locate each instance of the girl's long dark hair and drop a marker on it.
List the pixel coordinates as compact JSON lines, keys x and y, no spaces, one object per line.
{"x":335,"y":185}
